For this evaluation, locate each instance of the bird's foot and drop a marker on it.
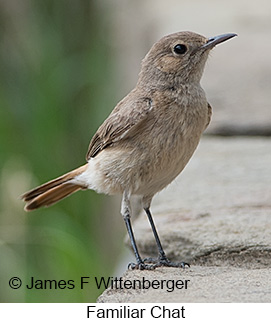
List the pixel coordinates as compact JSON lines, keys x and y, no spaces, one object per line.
{"x":141,"y":266}
{"x":163,"y":261}
{"x":152,"y":263}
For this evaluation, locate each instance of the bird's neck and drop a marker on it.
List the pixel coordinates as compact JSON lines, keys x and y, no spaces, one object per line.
{"x":151,"y":78}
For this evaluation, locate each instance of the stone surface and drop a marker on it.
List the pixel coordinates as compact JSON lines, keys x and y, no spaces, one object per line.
{"x":206,"y":284}
{"x":217,"y":216}
{"x":218,"y":211}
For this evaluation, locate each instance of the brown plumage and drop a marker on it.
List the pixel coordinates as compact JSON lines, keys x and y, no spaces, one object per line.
{"x":53,"y":191}
{"x":149,"y":137}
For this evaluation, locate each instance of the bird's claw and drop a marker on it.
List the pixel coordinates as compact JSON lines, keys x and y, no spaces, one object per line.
{"x":141,"y":266}
{"x":152,"y":263}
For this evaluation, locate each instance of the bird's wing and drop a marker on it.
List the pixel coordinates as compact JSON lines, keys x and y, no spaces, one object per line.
{"x":125,"y":117}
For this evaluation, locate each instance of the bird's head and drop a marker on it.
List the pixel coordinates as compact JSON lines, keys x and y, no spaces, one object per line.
{"x":180,"y":56}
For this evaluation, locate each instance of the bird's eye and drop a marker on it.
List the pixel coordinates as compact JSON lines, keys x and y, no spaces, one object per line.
{"x":180,"y":49}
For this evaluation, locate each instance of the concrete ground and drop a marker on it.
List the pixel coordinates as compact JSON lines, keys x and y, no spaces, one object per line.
{"x":217,"y":213}
{"x":204,"y":285}
{"x":217,"y":216}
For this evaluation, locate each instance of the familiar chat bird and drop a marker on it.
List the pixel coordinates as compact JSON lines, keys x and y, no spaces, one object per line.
{"x":148,"y":138}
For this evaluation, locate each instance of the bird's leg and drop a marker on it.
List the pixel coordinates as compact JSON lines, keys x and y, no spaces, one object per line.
{"x":161,"y":254}
{"x":133,"y":243}
{"x":126,"y":211}
{"x":162,"y":258}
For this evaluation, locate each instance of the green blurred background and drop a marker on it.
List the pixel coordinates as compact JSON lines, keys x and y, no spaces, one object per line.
{"x":56,"y":87}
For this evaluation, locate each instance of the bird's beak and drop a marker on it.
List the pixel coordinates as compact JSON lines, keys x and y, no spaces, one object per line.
{"x":213,"y":41}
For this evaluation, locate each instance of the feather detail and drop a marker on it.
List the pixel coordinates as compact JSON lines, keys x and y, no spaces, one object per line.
{"x":53,"y":191}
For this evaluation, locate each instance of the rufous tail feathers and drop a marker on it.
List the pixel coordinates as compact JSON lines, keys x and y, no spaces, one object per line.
{"x":53,"y":191}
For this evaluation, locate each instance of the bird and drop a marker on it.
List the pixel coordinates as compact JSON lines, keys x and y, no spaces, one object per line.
{"x":148,"y":138}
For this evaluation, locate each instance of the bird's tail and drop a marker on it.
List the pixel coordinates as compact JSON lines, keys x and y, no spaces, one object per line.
{"x":53,"y":191}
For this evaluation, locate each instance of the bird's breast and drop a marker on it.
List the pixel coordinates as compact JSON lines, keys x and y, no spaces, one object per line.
{"x":168,"y":141}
